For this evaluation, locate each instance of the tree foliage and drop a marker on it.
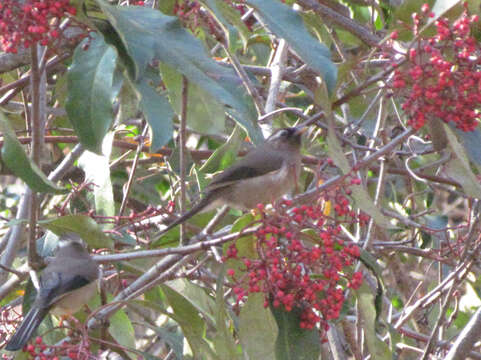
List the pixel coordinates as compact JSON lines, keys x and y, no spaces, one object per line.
{"x":115,"y":115}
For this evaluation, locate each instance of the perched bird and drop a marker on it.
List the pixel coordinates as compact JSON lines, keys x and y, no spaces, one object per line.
{"x":65,"y":285}
{"x":265,"y":174}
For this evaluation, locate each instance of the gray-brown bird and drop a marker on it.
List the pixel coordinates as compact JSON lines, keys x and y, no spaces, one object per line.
{"x":65,"y":285}
{"x":266,"y":173}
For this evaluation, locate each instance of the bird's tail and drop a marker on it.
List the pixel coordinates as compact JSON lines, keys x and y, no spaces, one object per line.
{"x":201,"y":205}
{"x":25,"y":331}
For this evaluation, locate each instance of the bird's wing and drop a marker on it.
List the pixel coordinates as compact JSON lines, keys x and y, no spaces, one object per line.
{"x":55,"y":285}
{"x":256,"y":163}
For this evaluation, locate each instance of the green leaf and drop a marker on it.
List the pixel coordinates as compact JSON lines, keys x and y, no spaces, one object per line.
{"x":158,"y":114}
{"x":294,"y":343}
{"x":197,"y":296}
{"x":226,"y":15}
{"x":147,"y":34}
{"x":97,"y":172}
{"x":121,"y":329}
{"x":224,"y":342}
{"x":83,"y":225}
{"x":470,"y":141}
{"x":226,"y":154}
{"x":204,"y":113}
{"x":257,"y":329}
{"x":174,"y":339}
{"x":283,"y":21}
{"x":192,"y":325}
{"x":367,"y":312}
{"x":20,"y":165}
{"x":459,"y":168}
{"x":93,"y":86}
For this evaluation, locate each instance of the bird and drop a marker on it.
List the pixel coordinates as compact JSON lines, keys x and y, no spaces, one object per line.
{"x":66,"y":283}
{"x":266,"y":173}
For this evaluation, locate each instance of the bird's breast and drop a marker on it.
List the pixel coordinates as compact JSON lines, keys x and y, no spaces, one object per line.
{"x":267,"y":188}
{"x":73,"y":301}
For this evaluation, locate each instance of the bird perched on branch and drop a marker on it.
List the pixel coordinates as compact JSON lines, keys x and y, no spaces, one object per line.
{"x":67,"y":283}
{"x":266,"y":173}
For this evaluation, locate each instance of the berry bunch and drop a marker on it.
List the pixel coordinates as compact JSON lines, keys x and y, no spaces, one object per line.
{"x":441,"y":78}
{"x":302,"y":260}
{"x":23,"y":23}
{"x":75,"y":351}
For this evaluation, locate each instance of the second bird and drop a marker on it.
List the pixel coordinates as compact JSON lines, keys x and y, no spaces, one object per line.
{"x":265,"y":174}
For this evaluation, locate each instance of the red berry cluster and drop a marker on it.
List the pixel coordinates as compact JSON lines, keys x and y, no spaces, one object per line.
{"x":189,"y":12}
{"x":31,"y":21}
{"x":441,"y":78}
{"x":302,"y":260}
{"x":193,"y":15}
{"x":39,"y":350}
{"x":9,"y":320}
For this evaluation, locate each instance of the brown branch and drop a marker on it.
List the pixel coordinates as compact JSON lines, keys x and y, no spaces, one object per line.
{"x":16,"y":86}
{"x":329,"y":15}
{"x":37,"y":124}
{"x":182,"y":152}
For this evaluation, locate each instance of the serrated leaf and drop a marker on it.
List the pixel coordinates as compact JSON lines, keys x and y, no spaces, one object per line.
{"x":257,"y":329}
{"x":14,"y":157}
{"x":93,"y":87}
{"x":459,"y":168}
{"x":164,"y":38}
{"x":367,"y":312}
{"x":283,"y":21}
{"x":83,"y":225}
{"x":294,"y":343}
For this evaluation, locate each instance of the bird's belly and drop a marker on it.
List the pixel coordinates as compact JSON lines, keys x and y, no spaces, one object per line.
{"x":246,"y":194}
{"x":73,"y":301}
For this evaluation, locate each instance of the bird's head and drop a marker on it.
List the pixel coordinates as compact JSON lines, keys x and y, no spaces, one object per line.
{"x":287,"y":138}
{"x":71,"y":243}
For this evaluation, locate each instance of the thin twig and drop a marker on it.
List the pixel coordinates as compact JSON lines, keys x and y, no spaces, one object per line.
{"x":277,"y":71}
{"x":346,"y":23}
{"x":182,"y":152}
{"x":13,"y":88}
{"x":258,"y":101}
{"x":132,"y":171}
{"x":13,"y":271}
{"x":441,"y":316}
{"x":465,"y":341}
{"x":37,"y":125}
{"x":180,"y":250}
